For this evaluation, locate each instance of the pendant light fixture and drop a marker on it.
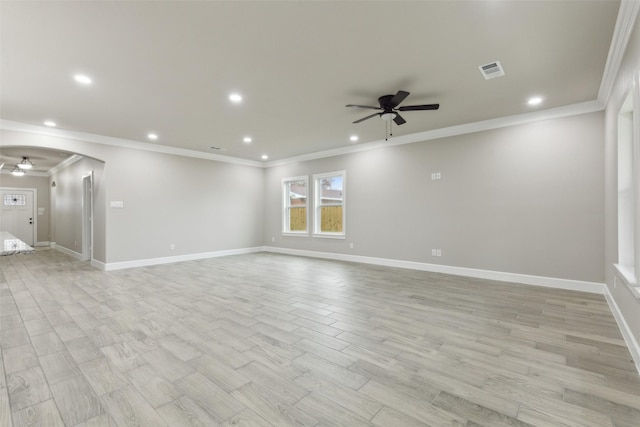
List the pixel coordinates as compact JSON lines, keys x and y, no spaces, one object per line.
{"x":16,"y":171}
{"x":25,"y":163}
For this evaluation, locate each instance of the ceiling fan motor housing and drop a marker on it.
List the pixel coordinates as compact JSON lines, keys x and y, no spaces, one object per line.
{"x":385,"y":102}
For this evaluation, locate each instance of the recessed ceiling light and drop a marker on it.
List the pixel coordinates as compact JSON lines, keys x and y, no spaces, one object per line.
{"x":247,"y":139}
{"x":353,"y":138}
{"x":50,"y":123}
{"x":82,"y":79}
{"x":152,"y":136}
{"x":234,"y":97}
{"x":536,"y":100}
{"x":265,"y":157}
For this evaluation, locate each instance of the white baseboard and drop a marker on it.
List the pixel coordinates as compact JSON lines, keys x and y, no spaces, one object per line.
{"x":67,"y":251}
{"x":550,"y":282}
{"x":98,"y":264}
{"x":629,"y":338}
{"x":167,"y":260}
{"x":39,"y":244}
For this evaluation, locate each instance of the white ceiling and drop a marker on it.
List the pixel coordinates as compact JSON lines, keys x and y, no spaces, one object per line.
{"x":168,"y":67}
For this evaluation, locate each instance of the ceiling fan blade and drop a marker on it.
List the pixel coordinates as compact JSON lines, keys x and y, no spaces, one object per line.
{"x":419,"y":107}
{"x":365,"y":118}
{"x":398,"y":98}
{"x":363,"y":106}
{"x":399,"y":120}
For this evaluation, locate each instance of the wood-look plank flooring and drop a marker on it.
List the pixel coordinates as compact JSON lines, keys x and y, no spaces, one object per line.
{"x":274,"y":340}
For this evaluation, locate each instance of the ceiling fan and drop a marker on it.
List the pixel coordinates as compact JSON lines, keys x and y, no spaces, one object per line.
{"x":389,"y":108}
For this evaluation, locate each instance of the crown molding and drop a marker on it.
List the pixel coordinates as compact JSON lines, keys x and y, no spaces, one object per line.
{"x":624,"y":27}
{"x":64,"y":164}
{"x":519,"y":119}
{"x":39,"y":174}
{"x":120,"y":142}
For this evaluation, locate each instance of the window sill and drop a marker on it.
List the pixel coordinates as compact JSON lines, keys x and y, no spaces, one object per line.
{"x":291,"y":234}
{"x":626,"y":273}
{"x":330,"y":236}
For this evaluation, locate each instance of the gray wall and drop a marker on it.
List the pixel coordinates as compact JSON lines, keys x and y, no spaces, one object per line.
{"x":198,"y":205}
{"x":66,"y":206}
{"x":524,"y":199}
{"x":628,"y":304}
{"x":41,"y":183}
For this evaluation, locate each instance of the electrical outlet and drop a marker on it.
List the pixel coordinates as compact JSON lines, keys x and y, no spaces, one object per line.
{"x":351,"y":245}
{"x":172,"y":246}
{"x":273,"y":239}
{"x":439,"y":252}
{"x":438,"y":175}
{"x":434,"y":252}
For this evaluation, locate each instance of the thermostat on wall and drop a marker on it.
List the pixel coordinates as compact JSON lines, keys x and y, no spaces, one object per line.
{"x":117,"y":204}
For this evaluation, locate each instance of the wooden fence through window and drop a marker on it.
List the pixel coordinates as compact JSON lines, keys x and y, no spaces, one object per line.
{"x":331,"y":219}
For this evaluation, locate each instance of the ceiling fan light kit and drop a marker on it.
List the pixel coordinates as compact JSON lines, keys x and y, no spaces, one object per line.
{"x":25,"y":163}
{"x":20,"y":169}
{"x":16,"y":171}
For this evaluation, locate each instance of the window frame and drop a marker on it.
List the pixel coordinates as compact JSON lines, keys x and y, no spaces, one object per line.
{"x":317,"y":205}
{"x":17,"y":200}
{"x":286,"y":217}
{"x":628,"y":233}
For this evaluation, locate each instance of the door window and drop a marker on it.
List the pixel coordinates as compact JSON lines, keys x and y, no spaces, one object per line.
{"x":15,"y":200}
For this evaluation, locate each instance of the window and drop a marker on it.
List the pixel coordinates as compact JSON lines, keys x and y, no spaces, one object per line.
{"x":295,"y":218}
{"x":628,"y":169}
{"x":15,"y":200}
{"x":329,"y":218}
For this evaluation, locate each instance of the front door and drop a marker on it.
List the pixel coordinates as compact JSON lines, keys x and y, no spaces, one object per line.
{"x":17,"y":215}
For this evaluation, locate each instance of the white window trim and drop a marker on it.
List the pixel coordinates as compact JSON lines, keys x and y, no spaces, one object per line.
{"x":628,"y":266}
{"x":285,"y":207}
{"x":317,"y":205}
{"x":627,"y":276}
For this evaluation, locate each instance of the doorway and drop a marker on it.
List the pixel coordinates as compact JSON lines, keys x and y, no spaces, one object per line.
{"x":18,"y":213}
{"x":87,"y":217}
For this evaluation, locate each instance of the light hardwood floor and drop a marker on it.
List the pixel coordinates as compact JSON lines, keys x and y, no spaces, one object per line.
{"x":266,"y":339}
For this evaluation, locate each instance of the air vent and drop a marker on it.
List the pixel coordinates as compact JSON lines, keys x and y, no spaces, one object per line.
{"x":491,"y":70}
{"x":217,"y":148}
